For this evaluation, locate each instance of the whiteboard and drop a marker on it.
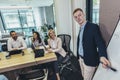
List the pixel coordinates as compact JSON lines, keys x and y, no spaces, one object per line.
{"x":113,"y":51}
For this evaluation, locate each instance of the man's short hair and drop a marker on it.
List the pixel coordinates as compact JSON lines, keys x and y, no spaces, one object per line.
{"x":11,"y":32}
{"x":77,"y":9}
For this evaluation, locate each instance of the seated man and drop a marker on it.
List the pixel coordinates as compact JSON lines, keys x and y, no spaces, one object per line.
{"x":2,"y":77}
{"x":15,"y":42}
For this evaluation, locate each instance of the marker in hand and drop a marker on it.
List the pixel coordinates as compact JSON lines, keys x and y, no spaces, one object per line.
{"x":113,"y":69}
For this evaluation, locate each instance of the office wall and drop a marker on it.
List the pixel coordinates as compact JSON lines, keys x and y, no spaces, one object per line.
{"x":109,"y":14}
{"x":63,"y":18}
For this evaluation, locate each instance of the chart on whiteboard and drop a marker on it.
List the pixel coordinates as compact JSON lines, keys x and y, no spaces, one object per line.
{"x":113,"y":51}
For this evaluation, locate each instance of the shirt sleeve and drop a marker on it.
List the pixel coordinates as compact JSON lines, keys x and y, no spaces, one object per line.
{"x":100,"y":42}
{"x":59,"y":46}
{"x":24,"y":46}
{"x":43,"y":43}
{"x":9,"y":46}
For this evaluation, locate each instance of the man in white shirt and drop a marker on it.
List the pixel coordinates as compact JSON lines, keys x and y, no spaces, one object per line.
{"x":15,"y":42}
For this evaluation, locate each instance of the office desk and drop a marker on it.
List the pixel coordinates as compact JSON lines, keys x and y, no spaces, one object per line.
{"x":18,"y":61}
{"x":49,"y":57}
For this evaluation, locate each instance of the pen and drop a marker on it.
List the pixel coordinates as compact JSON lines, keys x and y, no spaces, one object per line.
{"x":113,"y":69}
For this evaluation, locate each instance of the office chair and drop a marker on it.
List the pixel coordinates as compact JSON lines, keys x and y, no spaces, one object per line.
{"x":65,"y":41}
{"x":70,"y":65}
{"x":36,"y":74}
{"x":66,"y":46}
{"x":70,"y":69}
{"x":4,"y":47}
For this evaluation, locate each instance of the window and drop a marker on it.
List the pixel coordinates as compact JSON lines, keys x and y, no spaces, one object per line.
{"x":11,"y":19}
{"x":19,"y":20}
{"x":92,"y":10}
{"x":95,"y":14}
{"x":26,"y":18}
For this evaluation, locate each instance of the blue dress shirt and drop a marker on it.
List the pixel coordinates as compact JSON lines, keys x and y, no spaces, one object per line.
{"x":81,"y":52}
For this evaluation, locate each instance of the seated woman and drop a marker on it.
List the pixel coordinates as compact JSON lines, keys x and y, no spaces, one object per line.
{"x":55,"y":44}
{"x":37,"y":41}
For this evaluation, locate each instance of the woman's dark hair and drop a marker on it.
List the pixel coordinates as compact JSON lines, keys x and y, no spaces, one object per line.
{"x":38,"y":36}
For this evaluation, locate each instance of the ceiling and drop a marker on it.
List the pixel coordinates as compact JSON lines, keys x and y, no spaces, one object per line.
{"x":33,"y":3}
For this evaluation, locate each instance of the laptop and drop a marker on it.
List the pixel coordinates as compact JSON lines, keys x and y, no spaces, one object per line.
{"x":39,"y":52}
{"x":14,"y":52}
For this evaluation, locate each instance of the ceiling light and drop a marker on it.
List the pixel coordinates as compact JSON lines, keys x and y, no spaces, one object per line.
{"x":15,"y":7}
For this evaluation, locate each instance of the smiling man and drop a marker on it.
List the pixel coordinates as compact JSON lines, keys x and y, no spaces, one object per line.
{"x":91,"y":48}
{"x":15,"y":42}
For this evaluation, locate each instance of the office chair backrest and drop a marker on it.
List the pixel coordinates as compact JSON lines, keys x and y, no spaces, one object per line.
{"x":65,"y":41}
{"x":4,"y":47}
{"x":37,"y":74}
